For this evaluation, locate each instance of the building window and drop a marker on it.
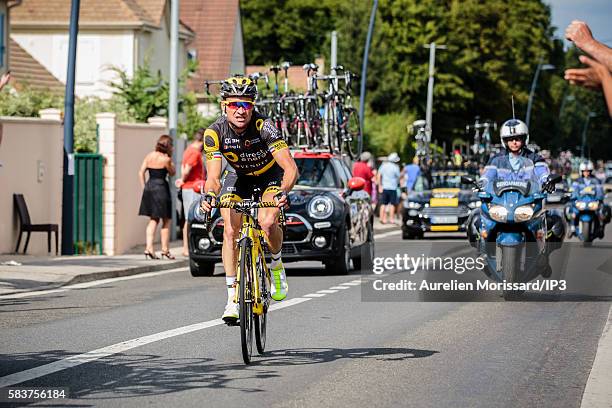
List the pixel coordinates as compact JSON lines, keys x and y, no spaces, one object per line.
{"x":2,"y":46}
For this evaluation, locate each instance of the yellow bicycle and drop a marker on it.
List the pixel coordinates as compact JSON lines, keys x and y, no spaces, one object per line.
{"x":253,"y":275}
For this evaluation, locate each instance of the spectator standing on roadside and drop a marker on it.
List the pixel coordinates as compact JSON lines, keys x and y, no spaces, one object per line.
{"x":156,"y":202}
{"x":388,"y":182}
{"x":597,"y":75}
{"x":410,"y":173}
{"x":362,"y":169}
{"x":192,"y":171}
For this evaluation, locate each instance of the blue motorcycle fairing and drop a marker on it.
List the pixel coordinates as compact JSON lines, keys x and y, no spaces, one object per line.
{"x":586,"y":217}
{"x":510,"y":238}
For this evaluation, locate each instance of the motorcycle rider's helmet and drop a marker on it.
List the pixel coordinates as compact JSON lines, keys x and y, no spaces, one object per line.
{"x":513,"y":128}
{"x":586,"y":166}
{"x":238,"y":86}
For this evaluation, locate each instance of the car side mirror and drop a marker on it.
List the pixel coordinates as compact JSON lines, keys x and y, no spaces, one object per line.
{"x":354,"y":184}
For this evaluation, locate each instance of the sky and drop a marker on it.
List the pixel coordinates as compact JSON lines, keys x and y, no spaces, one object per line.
{"x":596,"y":13}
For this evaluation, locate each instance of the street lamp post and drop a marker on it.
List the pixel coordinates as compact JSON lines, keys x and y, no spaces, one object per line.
{"x":364,"y":73}
{"x":584,"y":132}
{"x":541,"y":67}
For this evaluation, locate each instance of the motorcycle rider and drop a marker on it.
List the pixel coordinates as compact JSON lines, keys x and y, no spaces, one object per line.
{"x":515,"y":155}
{"x":587,"y":179}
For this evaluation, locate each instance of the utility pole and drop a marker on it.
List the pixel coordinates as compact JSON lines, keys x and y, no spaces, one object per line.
{"x":173,"y":101}
{"x":334,"y":51}
{"x":430,"y":85}
{"x":68,"y":173}
{"x":364,"y":73}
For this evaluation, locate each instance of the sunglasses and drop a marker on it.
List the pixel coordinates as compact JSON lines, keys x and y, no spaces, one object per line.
{"x":515,"y":138}
{"x":238,"y":105}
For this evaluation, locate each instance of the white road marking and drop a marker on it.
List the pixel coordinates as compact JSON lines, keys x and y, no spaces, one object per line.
{"x":597,"y":392}
{"x":74,"y":361}
{"x":339,"y":287}
{"x":326,"y":291}
{"x":84,"y":285}
{"x":314,"y":295}
{"x":352,"y":283}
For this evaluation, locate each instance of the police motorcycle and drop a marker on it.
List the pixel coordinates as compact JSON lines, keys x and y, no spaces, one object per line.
{"x":512,"y":233}
{"x":586,"y":212}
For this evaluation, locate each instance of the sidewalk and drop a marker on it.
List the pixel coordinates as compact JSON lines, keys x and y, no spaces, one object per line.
{"x":49,"y":272}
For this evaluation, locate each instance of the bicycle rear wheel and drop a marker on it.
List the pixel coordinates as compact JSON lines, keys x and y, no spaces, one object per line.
{"x":261,"y":321}
{"x":246,"y":300}
{"x":351,"y":133}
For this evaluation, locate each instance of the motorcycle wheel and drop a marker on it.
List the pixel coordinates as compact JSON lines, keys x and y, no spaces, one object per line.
{"x":585,"y":231}
{"x":511,"y":264}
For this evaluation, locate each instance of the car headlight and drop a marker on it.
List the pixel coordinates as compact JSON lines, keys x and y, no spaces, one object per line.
{"x":523,"y":213}
{"x":474,"y":204}
{"x":321,"y":207}
{"x":412,"y":205}
{"x":498,"y":213}
{"x":581,"y":205}
{"x":593,"y":205}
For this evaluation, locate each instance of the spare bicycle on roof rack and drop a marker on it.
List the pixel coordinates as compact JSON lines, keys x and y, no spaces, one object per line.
{"x":318,"y":120}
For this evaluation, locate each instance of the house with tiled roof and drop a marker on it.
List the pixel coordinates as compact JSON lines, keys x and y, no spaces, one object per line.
{"x":26,"y":70}
{"x":218,"y":45}
{"x":112,"y":33}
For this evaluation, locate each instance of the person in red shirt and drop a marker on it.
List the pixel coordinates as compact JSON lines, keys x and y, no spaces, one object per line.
{"x":362,"y":169}
{"x":192,"y":171}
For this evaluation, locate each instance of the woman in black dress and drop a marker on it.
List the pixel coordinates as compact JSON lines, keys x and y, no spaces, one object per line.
{"x":156,"y":202}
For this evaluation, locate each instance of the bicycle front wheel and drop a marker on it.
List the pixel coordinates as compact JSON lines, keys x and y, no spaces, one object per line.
{"x":261,"y":321}
{"x":246,"y":300}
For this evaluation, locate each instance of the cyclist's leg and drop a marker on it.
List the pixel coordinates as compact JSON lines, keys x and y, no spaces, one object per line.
{"x":268,"y":220}
{"x":229,"y":251}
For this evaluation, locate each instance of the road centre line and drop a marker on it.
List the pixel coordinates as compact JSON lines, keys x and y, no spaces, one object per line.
{"x":339,"y":287}
{"x":74,"y":361}
{"x":314,"y":295}
{"x":327,"y":291}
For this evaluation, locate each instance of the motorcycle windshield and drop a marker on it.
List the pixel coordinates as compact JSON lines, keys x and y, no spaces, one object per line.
{"x":523,"y":180}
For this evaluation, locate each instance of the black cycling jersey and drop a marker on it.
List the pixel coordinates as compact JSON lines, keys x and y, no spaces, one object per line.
{"x":249,"y":153}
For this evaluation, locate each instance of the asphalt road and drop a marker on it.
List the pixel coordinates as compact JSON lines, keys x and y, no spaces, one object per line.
{"x":326,"y":347}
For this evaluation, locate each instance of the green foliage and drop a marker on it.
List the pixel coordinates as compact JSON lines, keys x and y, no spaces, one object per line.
{"x":85,"y":111}
{"x":387,"y":133}
{"x":28,"y":102}
{"x":145,"y":94}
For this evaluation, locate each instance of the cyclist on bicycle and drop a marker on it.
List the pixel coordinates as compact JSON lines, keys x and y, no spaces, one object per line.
{"x":257,"y":157}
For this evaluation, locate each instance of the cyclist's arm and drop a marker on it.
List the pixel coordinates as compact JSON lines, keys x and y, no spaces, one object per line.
{"x":286,"y":162}
{"x":213,"y":161}
{"x":280,"y":151}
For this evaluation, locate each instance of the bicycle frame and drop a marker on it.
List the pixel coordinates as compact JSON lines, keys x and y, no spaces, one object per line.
{"x":255,"y":235}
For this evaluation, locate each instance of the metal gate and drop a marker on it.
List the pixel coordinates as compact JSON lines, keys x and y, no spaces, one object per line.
{"x":88,"y":168}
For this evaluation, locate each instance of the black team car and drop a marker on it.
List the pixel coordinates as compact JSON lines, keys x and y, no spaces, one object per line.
{"x":330,"y":220}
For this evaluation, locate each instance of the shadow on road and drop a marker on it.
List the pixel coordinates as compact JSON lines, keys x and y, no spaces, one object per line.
{"x":138,"y":375}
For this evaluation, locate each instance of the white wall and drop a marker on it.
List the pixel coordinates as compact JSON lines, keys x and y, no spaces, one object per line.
{"x":96,"y":52}
{"x":155,"y":45}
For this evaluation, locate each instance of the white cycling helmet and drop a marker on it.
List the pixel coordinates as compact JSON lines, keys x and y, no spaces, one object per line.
{"x":514,"y":127}
{"x":586,"y":166}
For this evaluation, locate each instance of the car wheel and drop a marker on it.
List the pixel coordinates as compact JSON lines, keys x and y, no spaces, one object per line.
{"x":407,"y":235}
{"x":203,"y":268}
{"x":342,"y":263}
{"x":365,"y":260}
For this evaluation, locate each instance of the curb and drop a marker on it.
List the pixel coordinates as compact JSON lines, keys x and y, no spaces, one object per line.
{"x":90,"y":277}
